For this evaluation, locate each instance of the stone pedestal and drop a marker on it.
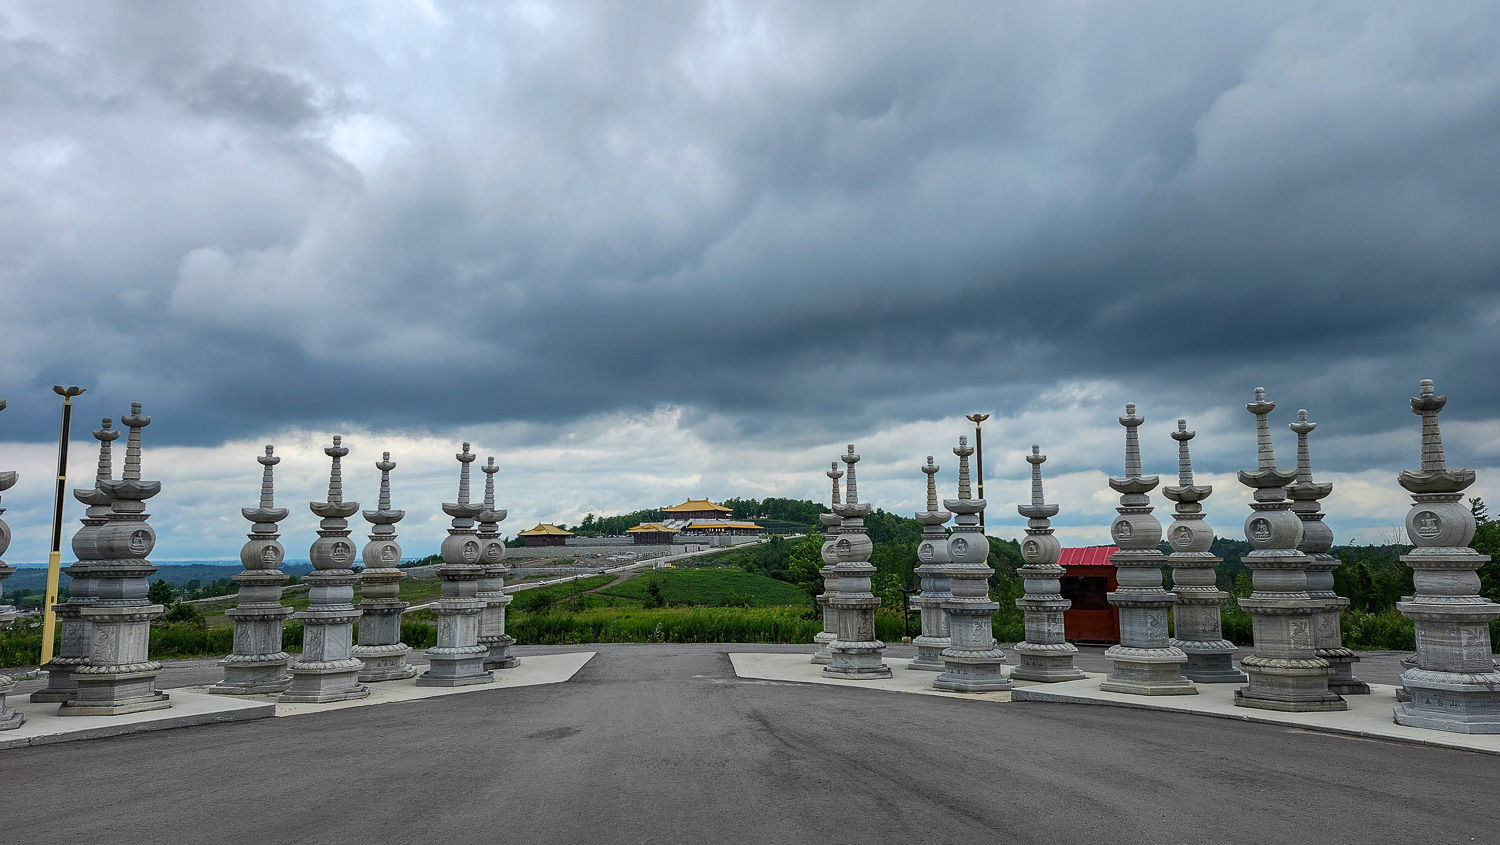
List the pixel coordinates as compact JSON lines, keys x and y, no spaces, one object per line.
{"x":973,"y":661}
{"x":1285,"y":671}
{"x":937,"y":587}
{"x":119,"y":676}
{"x":458,"y":659}
{"x":1145,"y":661}
{"x":327,"y":670}
{"x":831,"y":523}
{"x":492,"y":584}
{"x":1454,"y":685}
{"x":856,"y":652}
{"x":75,"y":632}
{"x":1045,"y":655}
{"x":380,"y":648}
{"x":257,"y":664}
{"x":1317,"y":539}
{"x":1197,"y":616}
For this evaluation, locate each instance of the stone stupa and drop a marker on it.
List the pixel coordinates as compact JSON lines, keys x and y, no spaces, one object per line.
{"x":1198,"y":614}
{"x":1317,"y":539}
{"x":8,"y":718}
{"x":492,"y":585}
{"x":258,"y":663}
{"x":1455,"y":685}
{"x":458,"y":658}
{"x":1286,"y":673}
{"x":120,"y":676}
{"x":831,"y":523}
{"x":75,"y":633}
{"x":932,"y":568}
{"x":1045,"y":655}
{"x":857,"y":653}
{"x":380,"y":648}
{"x":327,"y":669}
{"x":1145,"y":662}
{"x":973,"y":661}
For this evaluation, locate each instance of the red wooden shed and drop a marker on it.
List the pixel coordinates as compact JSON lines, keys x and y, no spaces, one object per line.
{"x":1089,"y":577}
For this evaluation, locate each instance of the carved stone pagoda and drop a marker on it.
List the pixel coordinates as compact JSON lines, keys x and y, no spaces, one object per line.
{"x":8,"y":718}
{"x":831,"y":522}
{"x":458,"y":658}
{"x":1317,"y":539}
{"x":1145,"y":662}
{"x":1285,"y":671}
{"x":492,"y":586}
{"x":932,"y":568}
{"x":258,"y":663}
{"x":973,"y":661}
{"x":328,"y":670}
{"x":1045,"y":655}
{"x":1455,"y":685}
{"x":380,"y":648}
{"x":75,"y":632}
{"x":1198,"y":614}
{"x":120,"y":676}
{"x":857,"y":653}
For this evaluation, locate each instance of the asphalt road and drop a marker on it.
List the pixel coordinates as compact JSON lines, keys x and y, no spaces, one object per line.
{"x":661,"y":743}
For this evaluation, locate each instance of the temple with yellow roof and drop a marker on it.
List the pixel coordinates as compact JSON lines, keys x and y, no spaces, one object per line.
{"x":695,"y":516}
{"x":545,"y":534}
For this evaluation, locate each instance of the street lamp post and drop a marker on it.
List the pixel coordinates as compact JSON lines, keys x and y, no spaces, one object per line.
{"x":976,"y":419}
{"x":54,"y":560}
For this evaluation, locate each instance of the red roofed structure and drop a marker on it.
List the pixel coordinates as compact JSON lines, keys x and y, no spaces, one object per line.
{"x":1089,"y":578}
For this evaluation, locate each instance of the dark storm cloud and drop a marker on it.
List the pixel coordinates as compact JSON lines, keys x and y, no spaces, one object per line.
{"x":796,"y":215}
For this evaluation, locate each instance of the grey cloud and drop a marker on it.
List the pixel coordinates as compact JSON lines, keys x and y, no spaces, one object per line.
{"x":795,"y":216}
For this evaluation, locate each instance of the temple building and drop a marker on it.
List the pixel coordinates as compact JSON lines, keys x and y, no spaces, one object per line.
{"x":545,"y":534}
{"x":700,"y":516}
{"x":651,"y":534}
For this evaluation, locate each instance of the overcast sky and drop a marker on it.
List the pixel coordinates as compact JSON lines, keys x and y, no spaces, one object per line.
{"x":647,"y":251}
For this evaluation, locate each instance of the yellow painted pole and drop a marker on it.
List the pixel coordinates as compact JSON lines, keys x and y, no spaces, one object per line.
{"x":54,"y":560}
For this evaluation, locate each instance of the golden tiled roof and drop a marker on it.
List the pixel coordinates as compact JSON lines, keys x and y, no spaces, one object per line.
{"x":650,"y":527}
{"x":696,"y":505}
{"x":544,"y":529}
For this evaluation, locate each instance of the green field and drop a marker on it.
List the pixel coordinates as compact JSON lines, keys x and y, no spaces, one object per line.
{"x":712,"y":587}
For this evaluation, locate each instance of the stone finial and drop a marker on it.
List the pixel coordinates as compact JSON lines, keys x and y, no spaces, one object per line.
{"x":385,"y":465}
{"x":1184,"y":460}
{"x":1304,"y":489}
{"x":336,"y":475}
{"x":95,"y":497}
{"x":1186,"y":494}
{"x":1434,"y":477}
{"x":1266,"y":478}
{"x":851,"y":487}
{"x":1038,"y":509}
{"x":1134,"y":486}
{"x":1265,"y":451}
{"x":932,"y":497}
{"x":835,"y":473}
{"x":462,"y":511}
{"x":1132,"y":421}
{"x":963,"y":450}
{"x":268,"y":480}
{"x":464,"y":459}
{"x":1428,"y":404}
{"x":106,"y":435}
{"x":135,"y":421}
{"x":335,"y":507}
{"x":267,"y":515}
{"x":489,"y":470}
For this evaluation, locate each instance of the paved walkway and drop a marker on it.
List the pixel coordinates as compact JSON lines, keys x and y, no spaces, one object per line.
{"x":662,"y":743}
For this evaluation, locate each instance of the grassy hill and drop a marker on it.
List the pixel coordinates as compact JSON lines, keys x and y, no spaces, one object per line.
{"x":711,"y":587}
